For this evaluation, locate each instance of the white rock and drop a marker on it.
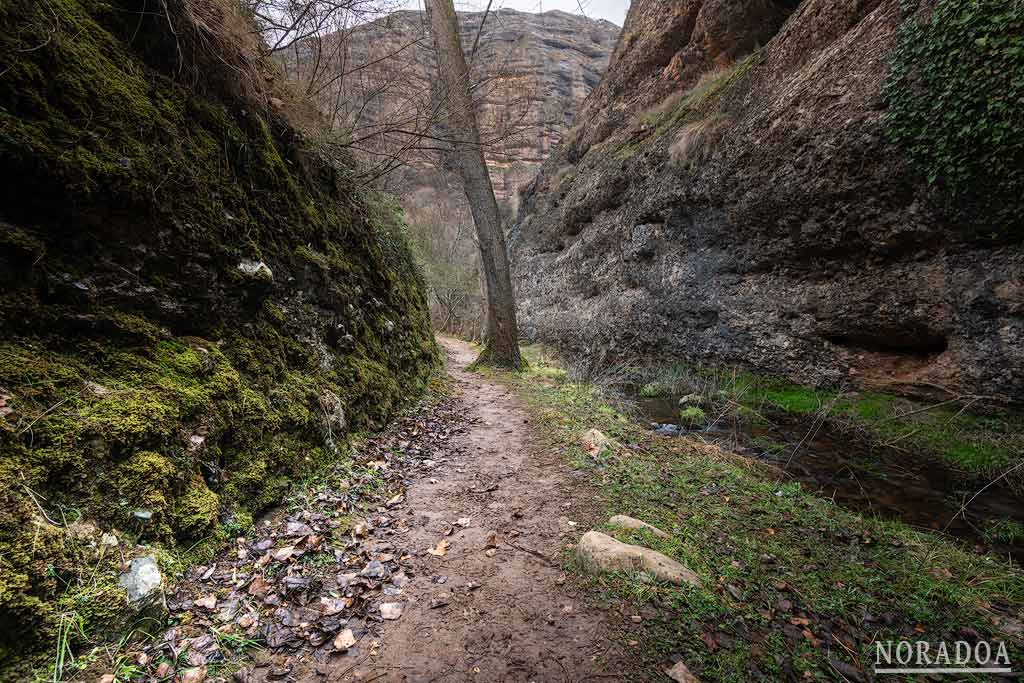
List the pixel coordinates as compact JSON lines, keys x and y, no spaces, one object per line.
{"x":142,"y":579}
{"x":256,"y":269}
{"x":625,"y":522}
{"x":595,"y":443}
{"x":599,"y":553}
{"x":391,"y":610}
{"x":681,"y":674}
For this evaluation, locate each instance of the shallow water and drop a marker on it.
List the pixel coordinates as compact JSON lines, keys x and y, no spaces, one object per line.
{"x":917,"y":488}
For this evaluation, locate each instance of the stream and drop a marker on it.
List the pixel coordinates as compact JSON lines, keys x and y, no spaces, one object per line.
{"x":919,"y":489}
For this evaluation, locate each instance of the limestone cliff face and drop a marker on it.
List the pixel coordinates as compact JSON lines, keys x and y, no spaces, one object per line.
{"x":734,"y":194}
{"x":543,"y":66}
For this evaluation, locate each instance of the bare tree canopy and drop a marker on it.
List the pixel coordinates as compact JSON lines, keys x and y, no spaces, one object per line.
{"x":453,"y":87}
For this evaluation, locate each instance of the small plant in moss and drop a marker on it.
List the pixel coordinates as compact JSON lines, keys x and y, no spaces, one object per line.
{"x":955,"y":91}
{"x":693,"y":416}
{"x":651,"y":390}
{"x":1004,"y":530}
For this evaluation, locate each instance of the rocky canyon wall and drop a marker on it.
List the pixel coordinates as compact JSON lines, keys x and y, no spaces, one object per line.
{"x":196,"y":304}
{"x":817,"y":190}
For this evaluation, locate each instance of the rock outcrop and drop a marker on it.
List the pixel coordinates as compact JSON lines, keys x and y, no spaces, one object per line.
{"x":797,"y":188}
{"x":196,"y":305}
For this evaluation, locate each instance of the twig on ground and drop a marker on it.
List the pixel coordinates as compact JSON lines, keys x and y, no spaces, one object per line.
{"x":32,"y":495}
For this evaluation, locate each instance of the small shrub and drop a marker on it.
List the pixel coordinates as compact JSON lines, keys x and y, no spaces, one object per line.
{"x":651,"y":390}
{"x":696,"y":142}
{"x":1003,"y":530}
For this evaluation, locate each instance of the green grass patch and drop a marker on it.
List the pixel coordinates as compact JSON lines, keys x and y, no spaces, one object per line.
{"x":791,"y":582}
{"x":980,"y":445}
{"x":692,"y":416}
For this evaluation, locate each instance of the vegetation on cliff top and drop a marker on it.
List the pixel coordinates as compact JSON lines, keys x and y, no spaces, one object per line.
{"x":956,"y":103}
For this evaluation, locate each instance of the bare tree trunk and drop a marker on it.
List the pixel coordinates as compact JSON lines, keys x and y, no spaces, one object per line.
{"x":502,"y":344}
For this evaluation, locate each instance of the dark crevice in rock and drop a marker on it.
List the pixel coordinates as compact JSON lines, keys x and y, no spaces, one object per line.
{"x":921,"y":345}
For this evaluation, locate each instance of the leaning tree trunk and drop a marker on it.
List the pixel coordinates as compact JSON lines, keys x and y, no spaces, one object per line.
{"x":502,"y":344}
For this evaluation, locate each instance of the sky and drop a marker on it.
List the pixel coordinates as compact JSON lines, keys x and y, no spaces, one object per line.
{"x":612,"y":10}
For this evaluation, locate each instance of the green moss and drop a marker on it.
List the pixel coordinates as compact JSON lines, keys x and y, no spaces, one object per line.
{"x":794,"y":399}
{"x":954,"y":92}
{"x":144,"y":374}
{"x":100,"y":606}
{"x":130,"y":418}
{"x":20,"y":243}
{"x":273,"y":312}
{"x":692,"y":416}
{"x":312,"y":257}
{"x":143,"y":485}
{"x":195,"y":512}
{"x":238,"y":524}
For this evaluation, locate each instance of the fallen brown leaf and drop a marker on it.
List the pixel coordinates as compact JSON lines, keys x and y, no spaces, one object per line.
{"x":284,"y":553}
{"x":196,"y":675}
{"x":207,"y":601}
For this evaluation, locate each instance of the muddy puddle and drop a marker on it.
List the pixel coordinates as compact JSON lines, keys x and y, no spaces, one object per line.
{"x":916,"y":488}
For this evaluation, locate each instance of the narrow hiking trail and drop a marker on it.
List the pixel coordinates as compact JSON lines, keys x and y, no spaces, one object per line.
{"x":432,"y":555}
{"x":432,"y":552}
{"x":493,"y":607}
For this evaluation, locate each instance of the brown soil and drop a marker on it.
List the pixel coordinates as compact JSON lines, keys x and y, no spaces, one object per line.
{"x":501,"y":613}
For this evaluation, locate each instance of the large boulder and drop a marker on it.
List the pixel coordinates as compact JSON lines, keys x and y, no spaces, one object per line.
{"x":600,"y":553}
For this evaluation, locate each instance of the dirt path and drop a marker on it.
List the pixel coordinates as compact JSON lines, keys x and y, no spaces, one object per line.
{"x":492,"y":608}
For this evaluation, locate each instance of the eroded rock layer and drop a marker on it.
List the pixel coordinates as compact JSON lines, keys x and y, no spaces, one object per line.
{"x":535,"y":69}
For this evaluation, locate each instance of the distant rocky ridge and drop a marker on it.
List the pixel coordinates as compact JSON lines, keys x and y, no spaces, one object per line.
{"x":557,"y":59}
{"x":734,"y":193}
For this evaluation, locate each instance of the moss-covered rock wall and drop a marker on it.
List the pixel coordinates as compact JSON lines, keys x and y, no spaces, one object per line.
{"x":196,"y":302}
